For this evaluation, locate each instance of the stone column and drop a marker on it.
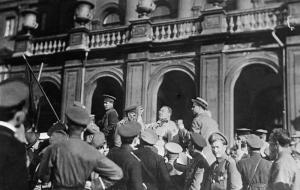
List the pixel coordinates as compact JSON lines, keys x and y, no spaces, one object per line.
{"x":130,"y":13}
{"x":185,"y":8}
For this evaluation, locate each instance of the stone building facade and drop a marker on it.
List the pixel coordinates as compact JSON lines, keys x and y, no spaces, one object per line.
{"x":239,"y":55}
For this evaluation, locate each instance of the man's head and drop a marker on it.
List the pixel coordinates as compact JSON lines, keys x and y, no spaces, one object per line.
{"x":218,"y":143}
{"x":296,"y":141}
{"x":262,"y":133}
{"x":199,"y":105}
{"x":148,"y":137}
{"x":77,"y":117}
{"x":165,"y":113}
{"x":14,"y":95}
{"x":197,"y":143}
{"x":129,"y":133}
{"x":108,"y":101}
{"x":279,"y":140}
{"x":254,"y":142}
{"x":131,"y":112}
{"x":57,"y":136}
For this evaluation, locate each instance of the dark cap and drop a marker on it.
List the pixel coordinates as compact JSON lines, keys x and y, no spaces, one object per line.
{"x":217,"y":136}
{"x":254,"y":141}
{"x":130,"y":129}
{"x":261,"y":131}
{"x":149,"y":136}
{"x":109,"y":98}
{"x":13,"y":92}
{"x":131,"y":108}
{"x":78,"y":114}
{"x":198,"y":140}
{"x":243,"y":131}
{"x":201,"y":102}
{"x":56,"y":127}
{"x":174,"y":148}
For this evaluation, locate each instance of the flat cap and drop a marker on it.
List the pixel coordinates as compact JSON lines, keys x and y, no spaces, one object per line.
{"x":201,"y":102}
{"x":254,"y":141}
{"x":131,"y":108}
{"x":172,"y":147}
{"x":243,"y":131}
{"x":78,"y":114}
{"x":198,"y":140}
{"x":217,"y":136}
{"x":130,"y":129}
{"x":98,"y":140}
{"x":13,"y":91}
{"x":149,"y":136}
{"x":56,"y":127}
{"x":109,"y":98}
{"x":261,"y":131}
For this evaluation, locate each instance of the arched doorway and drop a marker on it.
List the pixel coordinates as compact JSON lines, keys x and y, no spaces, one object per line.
{"x":258,"y":98}
{"x":45,"y":116}
{"x":107,"y":85}
{"x":176,"y":91}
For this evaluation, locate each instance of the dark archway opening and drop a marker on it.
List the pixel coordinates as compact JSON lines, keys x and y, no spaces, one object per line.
{"x":176,"y":91}
{"x":45,"y":116}
{"x":258,"y":98}
{"x":107,"y":85}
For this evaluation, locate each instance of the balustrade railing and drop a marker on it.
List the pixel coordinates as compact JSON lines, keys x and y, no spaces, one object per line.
{"x":49,"y":45}
{"x":255,"y":19}
{"x":175,"y":30}
{"x":108,"y":38}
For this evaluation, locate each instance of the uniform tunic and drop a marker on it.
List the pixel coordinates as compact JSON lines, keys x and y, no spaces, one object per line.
{"x":69,"y":163}
{"x":13,"y":171}
{"x":155,"y":164}
{"x":283,"y":173}
{"x":108,"y":125}
{"x":246,"y":168}
{"x":205,"y":126}
{"x":131,"y":167}
{"x":223,"y":175}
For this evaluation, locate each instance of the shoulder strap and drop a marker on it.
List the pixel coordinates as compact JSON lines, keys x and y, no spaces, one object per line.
{"x":251,"y":179}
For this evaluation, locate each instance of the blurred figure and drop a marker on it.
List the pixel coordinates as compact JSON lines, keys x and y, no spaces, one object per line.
{"x":14,"y":95}
{"x":204,"y":125}
{"x":75,"y":159}
{"x":241,"y":149}
{"x":109,"y":121}
{"x":254,"y":170}
{"x":283,"y":170}
{"x":154,"y":170}
{"x":197,"y":166}
{"x":296,"y":147}
{"x":222,"y":174}
{"x":264,"y":151}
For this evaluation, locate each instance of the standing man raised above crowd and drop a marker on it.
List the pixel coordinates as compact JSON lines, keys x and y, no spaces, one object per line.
{"x":13,"y":109}
{"x":68,"y":163}
{"x":203,"y":124}
{"x":110,"y":119}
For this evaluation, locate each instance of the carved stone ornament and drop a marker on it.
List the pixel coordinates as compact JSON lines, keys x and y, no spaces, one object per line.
{"x":29,"y":19}
{"x":83,"y":12}
{"x":145,"y":7}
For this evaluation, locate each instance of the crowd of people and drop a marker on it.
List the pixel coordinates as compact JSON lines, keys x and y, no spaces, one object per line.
{"x":129,"y":154}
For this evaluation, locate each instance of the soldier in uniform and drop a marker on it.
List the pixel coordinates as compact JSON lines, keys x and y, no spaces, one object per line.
{"x":197,"y":166}
{"x":283,"y":172}
{"x":68,"y":163}
{"x":204,"y":124}
{"x":222,"y":174}
{"x":264,"y":151}
{"x":255,"y":169}
{"x":154,"y":169}
{"x":126,"y":159}
{"x":13,"y":108}
{"x":110,"y":119}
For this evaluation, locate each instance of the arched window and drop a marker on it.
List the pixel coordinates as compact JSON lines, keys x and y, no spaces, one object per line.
{"x":161,"y":10}
{"x":111,"y":18}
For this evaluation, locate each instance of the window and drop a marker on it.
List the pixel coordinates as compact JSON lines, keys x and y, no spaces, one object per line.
{"x":10,"y":26}
{"x":111,"y":19}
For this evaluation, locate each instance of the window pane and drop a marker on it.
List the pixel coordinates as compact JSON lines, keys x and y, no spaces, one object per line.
{"x":9,"y":26}
{"x":112,"y":18}
{"x":161,"y":11}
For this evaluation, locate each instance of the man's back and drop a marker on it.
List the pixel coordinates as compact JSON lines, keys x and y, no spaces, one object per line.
{"x":13,"y":175}
{"x":131,"y":167}
{"x":246,"y":168}
{"x":72,"y":162}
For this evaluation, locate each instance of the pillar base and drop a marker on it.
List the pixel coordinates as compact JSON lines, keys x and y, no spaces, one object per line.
{"x":23,"y":45}
{"x":141,"y":31}
{"x":214,"y":21}
{"x":78,"y":39}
